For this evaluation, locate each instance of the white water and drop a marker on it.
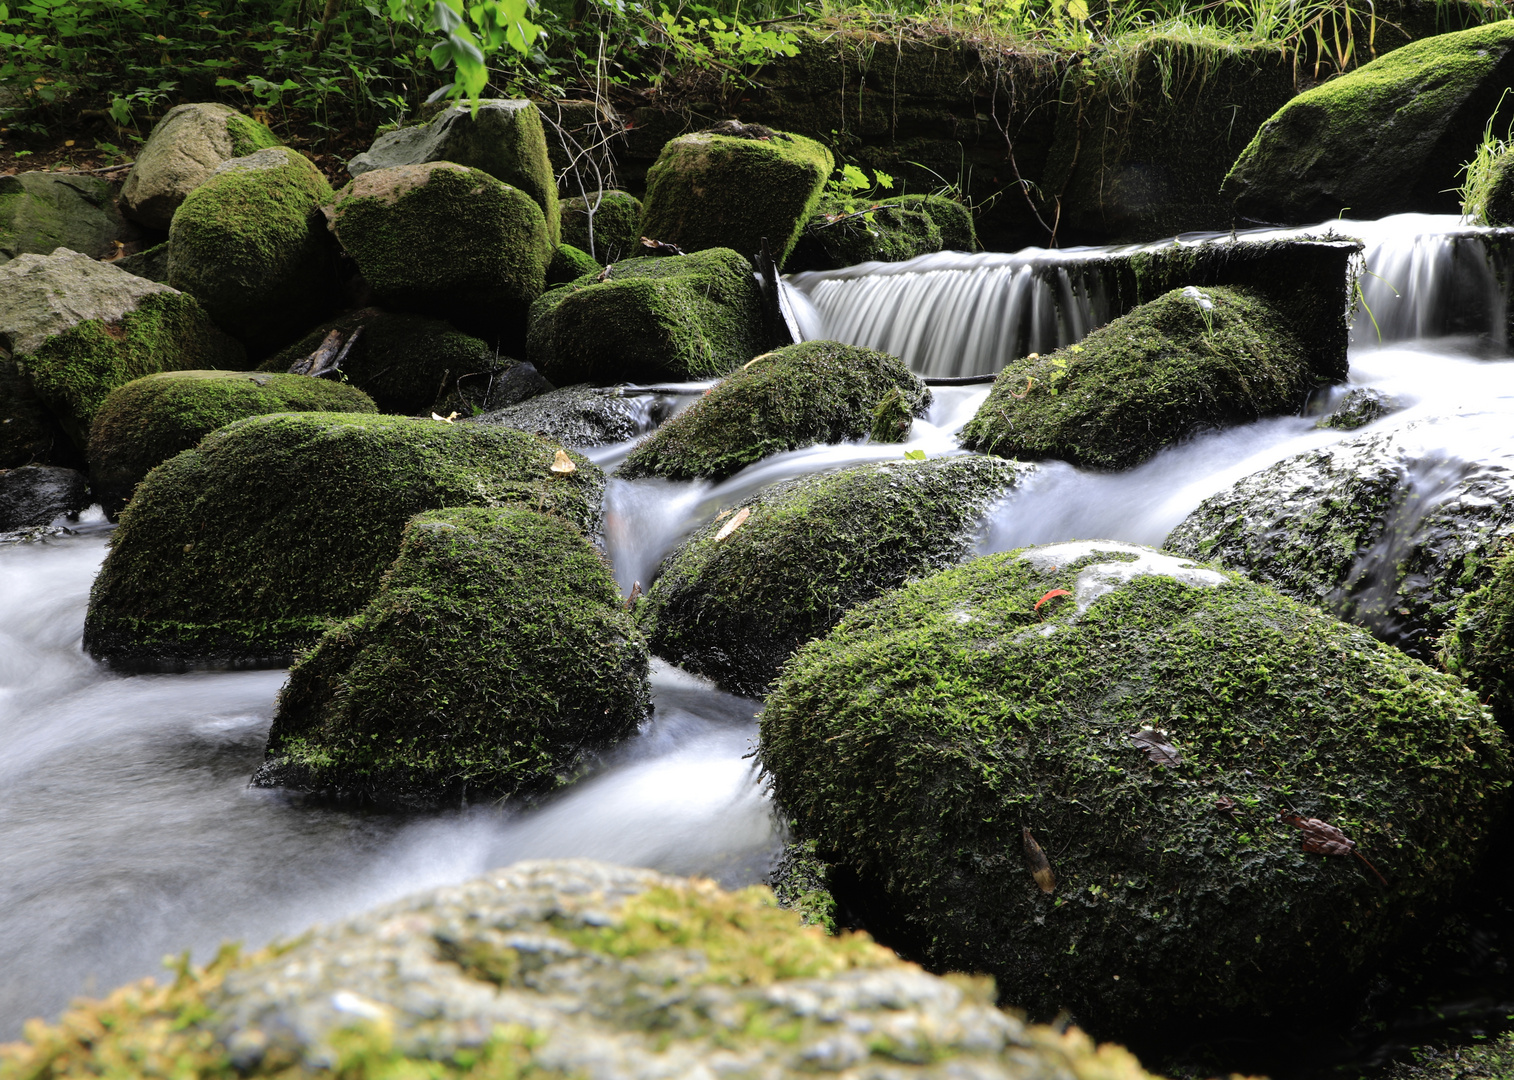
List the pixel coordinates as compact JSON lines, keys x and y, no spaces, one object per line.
{"x":127,"y":830}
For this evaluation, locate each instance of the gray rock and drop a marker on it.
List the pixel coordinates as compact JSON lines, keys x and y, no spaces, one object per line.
{"x":180,"y":155}
{"x":42,"y":211}
{"x":581,"y":416}
{"x":34,"y":495}
{"x":44,"y":295}
{"x":1358,"y":408}
{"x":1386,"y":529}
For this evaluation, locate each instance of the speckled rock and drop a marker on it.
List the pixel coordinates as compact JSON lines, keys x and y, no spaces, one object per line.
{"x":583,"y":416}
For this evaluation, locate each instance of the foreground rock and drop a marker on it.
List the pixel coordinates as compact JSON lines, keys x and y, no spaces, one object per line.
{"x":1086,"y":792}
{"x":583,"y":416}
{"x":256,"y":542}
{"x":496,"y":655}
{"x":796,"y":396}
{"x":571,"y":968}
{"x":1387,"y":138}
{"x":685,"y":317}
{"x":1190,"y":360}
{"x":149,"y":420}
{"x":781,"y":568}
{"x":36,"y":494}
{"x":1386,"y":529}
{"x":40,"y":212}
{"x":181,"y":153}
{"x":606,"y":224}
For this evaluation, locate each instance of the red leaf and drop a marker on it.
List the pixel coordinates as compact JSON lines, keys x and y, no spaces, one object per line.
{"x":1054,"y":593}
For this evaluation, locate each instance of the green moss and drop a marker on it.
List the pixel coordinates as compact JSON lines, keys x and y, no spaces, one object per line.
{"x":1148,"y":379}
{"x":254,"y":543}
{"x":248,"y":136}
{"x":934,"y":724}
{"x":73,"y":372}
{"x":1479,"y":644}
{"x":802,"y":882}
{"x":686,"y":317}
{"x":1488,"y":188}
{"x":892,"y":419}
{"x":888,"y":234}
{"x":735,"y":608}
{"x":796,"y":396}
{"x":708,"y":190}
{"x":616,"y":224}
{"x":953,"y":219}
{"x":569,"y":264}
{"x":149,"y":420}
{"x":495,"y":655}
{"x":1490,"y":1060}
{"x":251,"y":246}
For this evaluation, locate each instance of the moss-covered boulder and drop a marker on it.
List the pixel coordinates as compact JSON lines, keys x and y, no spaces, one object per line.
{"x":885,"y":234}
{"x":1387,"y":138}
{"x":796,"y":396}
{"x":501,"y":136}
{"x":80,"y":328}
{"x":685,"y":317}
{"x":275,"y":527}
{"x":495,"y":656}
{"x":569,"y":264}
{"x":606,"y":224}
{"x":1109,"y":777}
{"x":1478,"y":646}
{"x":149,"y":420}
{"x":407,"y":364}
{"x":1386,"y":529}
{"x":953,"y":218}
{"x":40,"y":212}
{"x":781,"y":568}
{"x":447,"y":241}
{"x":583,"y":416}
{"x":180,"y":154}
{"x":1189,"y":360}
{"x":251,"y":246}
{"x":564,"y":969}
{"x":721,"y":190}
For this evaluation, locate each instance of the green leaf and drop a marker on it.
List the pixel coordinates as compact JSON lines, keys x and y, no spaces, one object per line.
{"x":914,"y":455}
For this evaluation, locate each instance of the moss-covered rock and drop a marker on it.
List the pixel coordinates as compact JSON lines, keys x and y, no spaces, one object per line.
{"x":552,"y":970}
{"x":1387,"y":138}
{"x":1479,"y":644}
{"x":1086,"y":769}
{"x":606,"y":224}
{"x":1490,"y":1060}
{"x":953,"y":218}
{"x":1489,"y":189}
{"x":251,"y":246}
{"x":1190,"y":360}
{"x":447,"y":241}
{"x":569,"y":264}
{"x":40,"y":212}
{"x":256,"y":542}
{"x":149,"y":420}
{"x":179,"y":155}
{"x":734,"y":604}
{"x":685,"y":317}
{"x":1383,"y":528}
{"x":407,"y":364}
{"x":712,"y":190}
{"x":886,"y":234}
{"x":583,"y":416}
{"x":796,"y":396}
{"x":496,"y":654}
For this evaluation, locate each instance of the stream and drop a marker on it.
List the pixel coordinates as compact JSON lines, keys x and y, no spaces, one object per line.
{"x":128,"y":831}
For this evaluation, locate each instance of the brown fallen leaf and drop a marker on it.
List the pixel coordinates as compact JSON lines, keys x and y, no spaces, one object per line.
{"x":562,"y":464}
{"x":1226,"y":805}
{"x":1321,"y":838}
{"x":1035,"y":858}
{"x":1161,"y":752}
{"x":735,"y":523}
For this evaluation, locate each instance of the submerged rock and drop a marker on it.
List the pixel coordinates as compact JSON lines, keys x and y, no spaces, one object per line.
{"x":796,"y":396}
{"x":1089,"y":769}
{"x":583,"y":416}
{"x":782,"y":567}
{"x":275,"y":527}
{"x":180,"y":154}
{"x":34,"y":495}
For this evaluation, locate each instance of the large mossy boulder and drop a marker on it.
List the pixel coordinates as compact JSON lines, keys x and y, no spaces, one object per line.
{"x":718,"y":190}
{"x":40,"y":212}
{"x":447,"y":241}
{"x":782,"y":567}
{"x":583,"y":416}
{"x":562,"y":969}
{"x":80,"y":328}
{"x":1387,"y":529}
{"x":1104,"y":775}
{"x":149,"y":420}
{"x":684,"y":317}
{"x":251,"y":246}
{"x":495,"y":656}
{"x":606,"y":224}
{"x":276,"y":527}
{"x":793,"y":397}
{"x":501,"y":136}
{"x":1388,"y":138}
{"x":1190,"y":360}
{"x":180,"y":154}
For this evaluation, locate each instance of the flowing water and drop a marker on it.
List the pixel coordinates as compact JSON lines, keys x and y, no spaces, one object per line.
{"x":127,"y":830}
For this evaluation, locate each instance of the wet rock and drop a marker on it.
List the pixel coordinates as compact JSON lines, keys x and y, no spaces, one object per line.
{"x":149,"y":420}
{"x":43,"y":211}
{"x":254,"y":543}
{"x":583,"y":416}
{"x":34,"y":495}
{"x":964,"y":749}
{"x":180,"y":154}
{"x":1386,"y":529}
{"x":781,"y":568}
{"x":606,"y":224}
{"x":495,"y":657}
{"x":683,"y":317}
{"x":796,"y":396}
{"x":1361,"y":406}
{"x":1190,"y":360}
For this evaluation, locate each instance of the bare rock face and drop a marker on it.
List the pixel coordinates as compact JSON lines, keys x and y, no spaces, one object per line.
{"x":37,"y":494}
{"x":180,"y":155}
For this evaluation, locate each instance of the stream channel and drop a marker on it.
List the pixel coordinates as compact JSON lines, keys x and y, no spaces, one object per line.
{"x":128,"y":831}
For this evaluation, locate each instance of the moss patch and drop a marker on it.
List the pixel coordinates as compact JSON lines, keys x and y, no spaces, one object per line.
{"x":616,"y":225}
{"x":275,"y":527}
{"x":248,"y":136}
{"x":796,"y":396}
{"x":1182,"y":363}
